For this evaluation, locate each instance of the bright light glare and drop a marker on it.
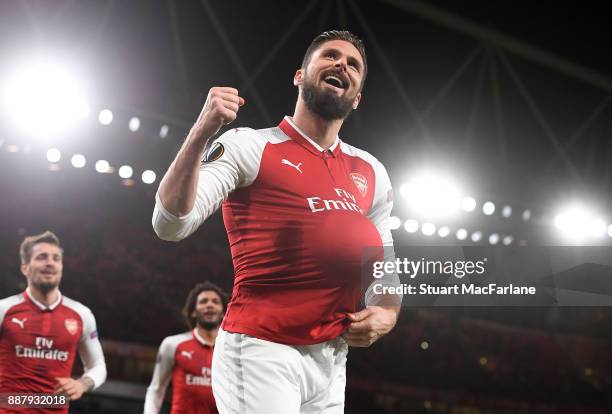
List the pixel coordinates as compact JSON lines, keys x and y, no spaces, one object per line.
{"x":476,"y":236}
{"x":507,"y":211}
{"x":488,"y":208}
{"x":43,"y":99}
{"x":411,"y":226}
{"x":394,"y":223}
{"x":508,"y":240}
{"x":163,"y":131}
{"x":125,"y":171}
{"x":577,"y":222}
{"x":102,"y":166}
{"x":494,"y":238}
{"x":428,"y":229}
{"x":468,"y":204}
{"x":432,"y":195}
{"x":78,"y":161}
{"x":462,"y":234}
{"x":526,"y":215}
{"x":443,"y":231}
{"x":53,"y":155}
{"x":106,"y":117}
{"x":148,"y":177}
{"x":134,"y":124}
{"x":610,"y":230}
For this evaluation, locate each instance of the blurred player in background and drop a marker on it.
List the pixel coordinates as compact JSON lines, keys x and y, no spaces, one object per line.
{"x":185,"y":359}
{"x":41,"y":331}
{"x":299,"y":205}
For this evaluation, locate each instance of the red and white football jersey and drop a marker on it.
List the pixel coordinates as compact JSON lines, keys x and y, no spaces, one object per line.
{"x":185,"y":359}
{"x":39,"y":344}
{"x":297,"y":218}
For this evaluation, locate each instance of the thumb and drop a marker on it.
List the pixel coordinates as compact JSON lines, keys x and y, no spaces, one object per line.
{"x":359,"y":316}
{"x":241,"y":101}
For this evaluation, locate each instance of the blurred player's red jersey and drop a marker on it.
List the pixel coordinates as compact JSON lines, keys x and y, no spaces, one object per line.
{"x":37,"y":345}
{"x":186,"y":360}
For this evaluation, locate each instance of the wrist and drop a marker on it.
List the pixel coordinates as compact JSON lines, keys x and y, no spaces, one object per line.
{"x":87,"y":383}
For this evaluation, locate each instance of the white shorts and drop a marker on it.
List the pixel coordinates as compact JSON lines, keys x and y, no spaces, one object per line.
{"x":254,"y":376}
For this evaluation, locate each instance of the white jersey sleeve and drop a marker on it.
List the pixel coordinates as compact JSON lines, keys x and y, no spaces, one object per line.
{"x":232,"y":161}
{"x":90,"y":351}
{"x":164,"y":364}
{"x":380,"y":215}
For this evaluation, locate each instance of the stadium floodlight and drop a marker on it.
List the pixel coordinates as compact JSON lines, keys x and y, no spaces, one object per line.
{"x":102,"y":166}
{"x":507,"y":240}
{"x":428,"y":229}
{"x":43,"y":98}
{"x":424,"y":345}
{"x":105,"y":116}
{"x":411,"y":225}
{"x":488,"y":208}
{"x":78,"y":160}
{"x":53,"y":155}
{"x":526,"y":215}
{"x":432,"y":195}
{"x":394,"y":223}
{"x":494,"y":238}
{"x":163,"y":131}
{"x":134,"y":124}
{"x":461,"y":234}
{"x":148,"y":177}
{"x":507,"y":211}
{"x":578,"y":222}
{"x":125,"y":171}
{"x":443,"y":231}
{"x":468,"y":204}
{"x":476,"y":236}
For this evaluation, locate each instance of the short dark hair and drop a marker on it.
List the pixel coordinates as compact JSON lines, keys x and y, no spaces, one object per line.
{"x":192,"y":297}
{"x":337,"y":35}
{"x":28,"y":243}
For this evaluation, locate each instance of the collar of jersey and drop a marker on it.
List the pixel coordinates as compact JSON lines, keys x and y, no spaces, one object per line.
{"x":40,"y":305}
{"x":296,"y":134}
{"x":198,"y":338}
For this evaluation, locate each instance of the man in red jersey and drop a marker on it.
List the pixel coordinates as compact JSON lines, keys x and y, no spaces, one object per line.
{"x":41,"y":331}
{"x":185,"y":359}
{"x":299,"y":205}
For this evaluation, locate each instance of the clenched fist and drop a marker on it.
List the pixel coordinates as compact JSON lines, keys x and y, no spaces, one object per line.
{"x":221,"y":108}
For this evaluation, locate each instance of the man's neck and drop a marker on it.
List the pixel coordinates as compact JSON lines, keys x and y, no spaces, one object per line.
{"x":321,"y":131}
{"x":210,"y":336}
{"x":47,"y":299}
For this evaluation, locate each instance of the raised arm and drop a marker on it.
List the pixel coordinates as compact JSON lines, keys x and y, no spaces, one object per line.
{"x":174,"y":217}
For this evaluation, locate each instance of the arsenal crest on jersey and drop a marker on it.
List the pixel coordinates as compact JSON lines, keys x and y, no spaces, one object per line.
{"x":72,"y":326}
{"x":360,"y":182}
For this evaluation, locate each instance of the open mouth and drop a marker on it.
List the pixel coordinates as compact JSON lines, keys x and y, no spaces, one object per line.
{"x":335,"y":81}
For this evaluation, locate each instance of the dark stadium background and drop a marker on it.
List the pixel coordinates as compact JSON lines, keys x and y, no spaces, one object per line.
{"x":532,"y":137}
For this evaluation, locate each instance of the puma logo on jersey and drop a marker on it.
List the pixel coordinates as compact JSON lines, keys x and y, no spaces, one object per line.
{"x":289,"y":163}
{"x":187,"y":354}
{"x":18,"y":322}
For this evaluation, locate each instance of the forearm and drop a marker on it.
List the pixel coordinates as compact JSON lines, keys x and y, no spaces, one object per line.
{"x":178,"y":188}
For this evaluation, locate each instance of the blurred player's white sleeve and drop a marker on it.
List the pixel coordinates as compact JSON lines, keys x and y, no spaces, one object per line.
{"x":90,"y":351}
{"x":161,"y":378}
{"x":380,"y":214}
{"x":230,"y":162}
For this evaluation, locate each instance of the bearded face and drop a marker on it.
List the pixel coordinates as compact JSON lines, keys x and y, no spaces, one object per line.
{"x":323,"y":98}
{"x":208,"y":310}
{"x":331,"y":82}
{"x":44,"y":270}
